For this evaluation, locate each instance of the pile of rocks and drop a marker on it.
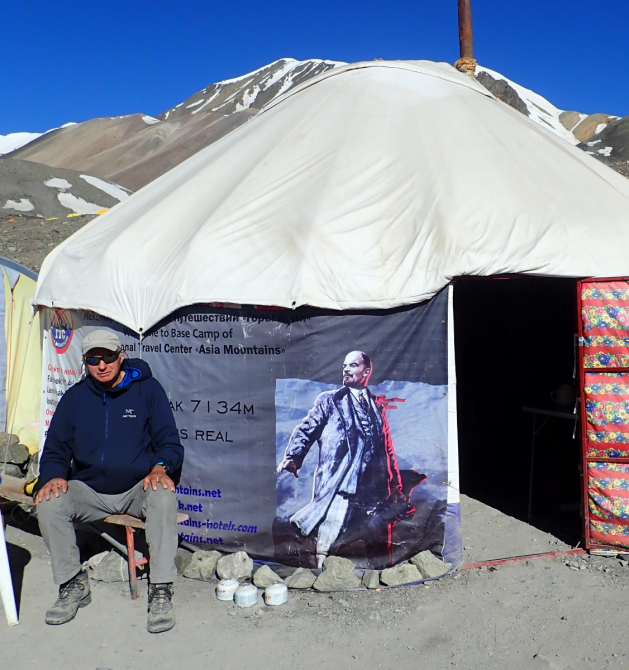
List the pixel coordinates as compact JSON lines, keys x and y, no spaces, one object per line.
{"x":338,"y":573}
{"x":424,"y":565}
{"x":15,"y":458}
{"x":208,"y":565}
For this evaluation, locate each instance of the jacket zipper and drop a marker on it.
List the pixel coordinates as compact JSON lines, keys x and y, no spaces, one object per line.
{"x":102,"y":453}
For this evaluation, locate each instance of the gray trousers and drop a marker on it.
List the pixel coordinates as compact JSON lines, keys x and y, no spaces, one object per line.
{"x":81,"y":503}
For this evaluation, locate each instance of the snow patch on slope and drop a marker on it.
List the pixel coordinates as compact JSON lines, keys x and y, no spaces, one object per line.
{"x":24,"y":205}
{"x":78,"y":205}
{"x":248,"y":98}
{"x":206,"y":103}
{"x":540,"y":110}
{"x":57,"y":182}
{"x":111,"y":189}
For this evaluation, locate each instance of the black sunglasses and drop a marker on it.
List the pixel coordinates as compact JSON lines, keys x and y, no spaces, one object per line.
{"x":107,"y":358}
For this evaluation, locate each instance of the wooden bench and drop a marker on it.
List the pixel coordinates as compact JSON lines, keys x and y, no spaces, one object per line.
{"x":11,"y":489}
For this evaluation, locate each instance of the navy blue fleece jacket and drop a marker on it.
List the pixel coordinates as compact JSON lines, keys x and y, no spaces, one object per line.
{"x":111,"y":438}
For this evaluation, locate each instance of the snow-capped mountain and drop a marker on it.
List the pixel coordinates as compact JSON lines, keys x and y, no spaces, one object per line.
{"x":133,"y":150}
{"x":251,"y":91}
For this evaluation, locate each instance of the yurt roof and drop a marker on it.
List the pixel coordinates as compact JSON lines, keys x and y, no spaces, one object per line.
{"x":369,"y":186}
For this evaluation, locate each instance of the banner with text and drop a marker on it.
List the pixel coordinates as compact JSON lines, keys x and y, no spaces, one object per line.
{"x":307,"y":433}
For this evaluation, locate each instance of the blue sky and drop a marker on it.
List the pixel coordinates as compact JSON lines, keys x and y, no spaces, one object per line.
{"x":72,"y":61}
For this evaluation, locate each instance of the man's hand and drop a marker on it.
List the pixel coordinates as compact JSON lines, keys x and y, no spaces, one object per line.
{"x":289,"y":465}
{"x":54,"y":486}
{"x":158,"y":476}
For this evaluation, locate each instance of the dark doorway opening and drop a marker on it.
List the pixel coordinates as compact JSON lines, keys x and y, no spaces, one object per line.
{"x":514,"y":339}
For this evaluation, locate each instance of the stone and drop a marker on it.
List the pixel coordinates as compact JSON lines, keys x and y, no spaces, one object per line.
{"x":302,"y":578}
{"x":405,"y":573}
{"x":202,"y":565}
{"x":429,"y":565}
{"x":109,"y":566}
{"x":266,"y":577}
{"x":371,"y":579}
{"x":336,"y":577}
{"x":14,"y":453}
{"x":235,"y":566}
{"x":7,"y":439}
{"x":12,"y":470}
{"x":338,"y":564}
{"x":207,"y":565}
{"x":182,"y":559}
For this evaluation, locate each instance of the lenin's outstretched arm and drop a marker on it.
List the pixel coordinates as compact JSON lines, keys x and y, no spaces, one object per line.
{"x":303,"y":437}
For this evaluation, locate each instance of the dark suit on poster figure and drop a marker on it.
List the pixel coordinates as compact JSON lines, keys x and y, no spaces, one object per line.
{"x":358,"y":489}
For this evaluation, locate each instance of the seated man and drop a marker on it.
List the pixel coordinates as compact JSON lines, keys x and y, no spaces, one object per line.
{"x":110,"y":448}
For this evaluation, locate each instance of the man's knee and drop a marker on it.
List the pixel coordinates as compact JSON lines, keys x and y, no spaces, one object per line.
{"x":55,"y":507}
{"x":162,"y":500}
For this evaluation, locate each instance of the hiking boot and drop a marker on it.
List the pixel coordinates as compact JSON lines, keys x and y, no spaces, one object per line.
{"x":161,"y":611}
{"x":72,"y":595}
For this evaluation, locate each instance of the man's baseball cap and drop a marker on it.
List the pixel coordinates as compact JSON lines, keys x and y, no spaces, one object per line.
{"x":101,"y":339}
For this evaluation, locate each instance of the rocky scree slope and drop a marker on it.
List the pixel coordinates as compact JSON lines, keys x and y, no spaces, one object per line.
{"x":42,"y":191}
{"x":40,"y":206}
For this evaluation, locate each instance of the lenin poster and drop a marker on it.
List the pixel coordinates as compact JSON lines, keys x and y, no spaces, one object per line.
{"x":307,"y":432}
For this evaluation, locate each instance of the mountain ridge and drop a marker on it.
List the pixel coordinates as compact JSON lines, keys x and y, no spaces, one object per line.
{"x":133,"y":150}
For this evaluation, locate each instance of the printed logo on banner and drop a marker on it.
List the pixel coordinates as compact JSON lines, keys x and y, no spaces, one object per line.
{"x":62,"y":330}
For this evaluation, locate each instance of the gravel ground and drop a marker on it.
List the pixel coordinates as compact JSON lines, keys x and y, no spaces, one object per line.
{"x":543,"y":613}
{"x":28,"y":240}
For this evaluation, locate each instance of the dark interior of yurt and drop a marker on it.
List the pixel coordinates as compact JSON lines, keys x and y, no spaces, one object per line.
{"x":519,"y":448}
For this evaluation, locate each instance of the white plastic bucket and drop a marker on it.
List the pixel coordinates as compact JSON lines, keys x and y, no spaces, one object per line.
{"x":276,"y":594}
{"x":246,"y":595}
{"x":226,"y":589}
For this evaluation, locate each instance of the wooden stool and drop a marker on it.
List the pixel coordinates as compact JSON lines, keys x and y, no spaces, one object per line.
{"x":131,"y":523}
{"x":11,"y":489}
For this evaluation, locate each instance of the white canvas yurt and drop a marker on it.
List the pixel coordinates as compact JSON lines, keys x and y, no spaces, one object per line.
{"x":395,"y":209}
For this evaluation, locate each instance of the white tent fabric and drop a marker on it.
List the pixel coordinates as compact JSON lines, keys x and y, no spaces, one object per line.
{"x":370,"y":186}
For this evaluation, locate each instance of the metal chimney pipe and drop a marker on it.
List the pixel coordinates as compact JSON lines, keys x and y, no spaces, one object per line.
{"x":466,"y":39}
